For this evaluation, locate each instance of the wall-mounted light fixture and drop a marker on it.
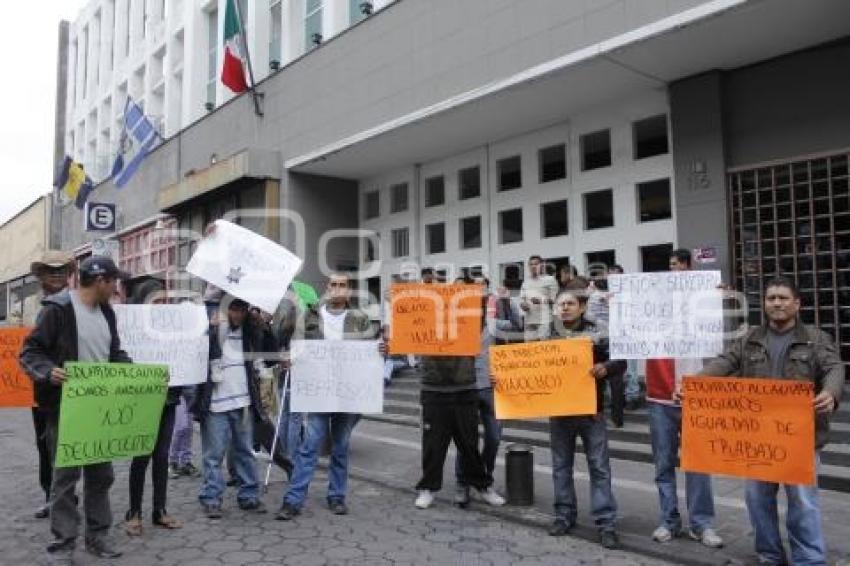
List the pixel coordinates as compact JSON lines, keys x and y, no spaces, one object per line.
{"x":366,"y":8}
{"x":274,"y":64}
{"x":210,"y":106}
{"x":316,"y":38}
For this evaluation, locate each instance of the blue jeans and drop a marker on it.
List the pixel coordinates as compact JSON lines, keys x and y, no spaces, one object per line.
{"x":319,"y":425}
{"x":632,"y":382}
{"x":665,"y":425}
{"x":803,"y":522}
{"x":290,"y":427}
{"x":220,"y":432}
{"x":594,"y":437}
{"x":492,"y":436}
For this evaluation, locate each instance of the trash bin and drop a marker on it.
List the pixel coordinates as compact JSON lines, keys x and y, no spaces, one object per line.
{"x":519,"y":474}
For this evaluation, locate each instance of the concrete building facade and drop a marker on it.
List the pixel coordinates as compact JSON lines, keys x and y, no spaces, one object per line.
{"x":23,"y":239}
{"x":609,"y":130}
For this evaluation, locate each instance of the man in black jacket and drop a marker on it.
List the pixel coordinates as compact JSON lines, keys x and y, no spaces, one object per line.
{"x":76,"y":325}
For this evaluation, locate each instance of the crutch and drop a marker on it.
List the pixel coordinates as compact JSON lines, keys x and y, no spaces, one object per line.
{"x":282,"y":402}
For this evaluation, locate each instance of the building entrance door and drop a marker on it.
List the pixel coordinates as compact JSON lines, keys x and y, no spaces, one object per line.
{"x":793,"y":219}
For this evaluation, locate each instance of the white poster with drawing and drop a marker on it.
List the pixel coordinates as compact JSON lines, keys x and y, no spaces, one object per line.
{"x":245,"y":265}
{"x":175,"y":335}
{"x":670,"y":314}
{"x":337,"y":376}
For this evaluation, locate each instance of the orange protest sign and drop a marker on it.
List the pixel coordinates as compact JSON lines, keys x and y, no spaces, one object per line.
{"x":435,"y":320}
{"x":15,"y":385}
{"x":543,"y":379}
{"x":762,"y":429}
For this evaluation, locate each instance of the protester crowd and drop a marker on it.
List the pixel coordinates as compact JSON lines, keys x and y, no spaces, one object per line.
{"x":243,"y":407}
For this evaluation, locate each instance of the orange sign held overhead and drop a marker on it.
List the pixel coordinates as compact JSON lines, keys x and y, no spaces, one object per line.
{"x":435,"y":320}
{"x":762,"y":429}
{"x":15,"y":385}
{"x":543,"y":379}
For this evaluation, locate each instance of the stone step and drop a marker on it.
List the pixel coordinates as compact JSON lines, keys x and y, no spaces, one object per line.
{"x":632,"y":442}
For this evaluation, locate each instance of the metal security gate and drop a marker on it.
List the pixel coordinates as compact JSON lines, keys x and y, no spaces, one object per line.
{"x":793,"y":219}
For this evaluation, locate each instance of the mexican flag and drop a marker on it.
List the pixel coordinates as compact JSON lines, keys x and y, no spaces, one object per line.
{"x":233,"y":71}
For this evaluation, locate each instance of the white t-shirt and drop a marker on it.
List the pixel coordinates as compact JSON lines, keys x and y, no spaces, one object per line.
{"x":333,"y":323}
{"x":544,"y":288}
{"x":232,"y":391}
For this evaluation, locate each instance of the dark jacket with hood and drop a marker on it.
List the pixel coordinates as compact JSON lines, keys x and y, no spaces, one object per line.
{"x":252,"y":345}
{"x":53,"y":342}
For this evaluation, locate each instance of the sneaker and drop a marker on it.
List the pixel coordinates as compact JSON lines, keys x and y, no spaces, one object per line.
{"x":212,"y":510}
{"x":337,"y":507}
{"x":461,"y":495}
{"x":253,"y":505}
{"x":609,"y":539}
{"x":708,"y":537}
{"x":101,"y":548}
{"x":286,"y":513}
{"x":560,"y":528}
{"x":424,"y":500}
{"x":174,"y":472}
{"x":490,"y":497}
{"x":60,"y":552}
{"x":189,"y":470}
{"x":42,"y":512}
{"x":663,"y":534}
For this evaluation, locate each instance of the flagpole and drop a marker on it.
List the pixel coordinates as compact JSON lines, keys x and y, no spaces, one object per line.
{"x":256,"y":95}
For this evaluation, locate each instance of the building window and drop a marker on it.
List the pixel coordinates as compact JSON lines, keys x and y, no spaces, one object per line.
{"x":596,"y":150}
{"x":469,"y":182}
{"x":510,"y":226}
{"x":373,"y":204}
{"x":85,"y":60}
{"x":552,"y":163}
{"x":654,"y":200}
{"x":599,"y":209}
{"x":470,"y":232}
{"x":435,"y":191}
{"x":126,"y":18}
{"x":554,"y":219}
{"x":275,"y":31}
{"x":655,"y":258}
{"x":512,"y":275}
{"x":212,"y":55}
{"x":401,"y":242}
{"x":607,"y":257}
{"x":398,"y":197}
{"x":371,"y":248}
{"x":650,"y":137}
{"x":436,"y":235}
{"x":510,"y":173}
{"x":313,"y":24}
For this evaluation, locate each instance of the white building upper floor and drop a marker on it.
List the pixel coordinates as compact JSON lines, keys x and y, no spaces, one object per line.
{"x":167,"y":56}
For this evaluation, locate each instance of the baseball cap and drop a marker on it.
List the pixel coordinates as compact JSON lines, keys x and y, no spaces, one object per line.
{"x":100,"y":265}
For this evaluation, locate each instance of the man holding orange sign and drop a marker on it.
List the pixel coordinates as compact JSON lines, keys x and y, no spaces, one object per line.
{"x":588,"y":424}
{"x":784,"y":349}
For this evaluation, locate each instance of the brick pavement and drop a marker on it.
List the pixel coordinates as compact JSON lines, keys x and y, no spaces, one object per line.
{"x":383,"y":527}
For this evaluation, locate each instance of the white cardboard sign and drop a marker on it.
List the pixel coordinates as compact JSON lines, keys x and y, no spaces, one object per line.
{"x":245,"y":265}
{"x":175,"y":335}
{"x":337,"y":376}
{"x":670,"y":314}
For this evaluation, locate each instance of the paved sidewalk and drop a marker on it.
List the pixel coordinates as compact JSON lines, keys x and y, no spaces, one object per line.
{"x":383,"y":527}
{"x":390,"y":454}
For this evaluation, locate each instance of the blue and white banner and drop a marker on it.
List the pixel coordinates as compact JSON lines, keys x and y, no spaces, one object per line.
{"x":137,"y":140}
